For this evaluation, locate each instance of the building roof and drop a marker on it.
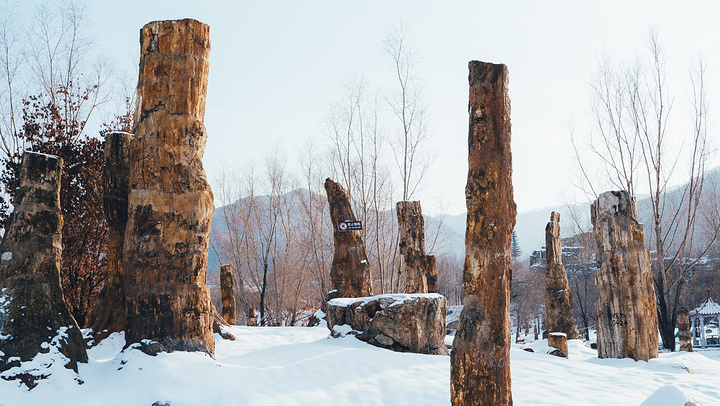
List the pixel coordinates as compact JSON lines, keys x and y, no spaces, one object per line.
{"x":707,"y":308}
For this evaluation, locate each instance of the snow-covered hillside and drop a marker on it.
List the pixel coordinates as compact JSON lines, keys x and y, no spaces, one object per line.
{"x":302,"y":366}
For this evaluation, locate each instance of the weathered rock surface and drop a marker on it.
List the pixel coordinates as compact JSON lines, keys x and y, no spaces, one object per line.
{"x":683,"y":324}
{"x":401,"y":322}
{"x":170,"y":202}
{"x":350,"y":271}
{"x":227,"y":292}
{"x":558,"y":300}
{"x":625,"y":310}
{"x":420,"y":269}
{"x":108,"y":316}
{"x":480,"y":359}
{"x":33,"y":314}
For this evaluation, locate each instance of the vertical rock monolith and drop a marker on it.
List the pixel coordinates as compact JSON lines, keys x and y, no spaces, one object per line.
{"x":170,"y":205}
{"x":480,"y":358}
{"x":350,"y":271}
{"x":683,"y":324}
{"x":227,"y":293}
{"x":33,"y":313}
{"x":108,"y":316}
{"x":625,"y":310}
{"x":558,"y":300}
{"x":420,"y":270}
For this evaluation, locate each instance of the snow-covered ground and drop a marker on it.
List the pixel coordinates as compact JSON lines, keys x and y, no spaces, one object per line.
{"x":302,"y":366}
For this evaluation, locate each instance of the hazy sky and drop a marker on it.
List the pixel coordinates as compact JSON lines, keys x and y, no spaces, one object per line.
{"x":276,"y":66}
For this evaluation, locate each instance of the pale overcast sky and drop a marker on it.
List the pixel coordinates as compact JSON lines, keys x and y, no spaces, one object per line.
{"x":276,"y":66}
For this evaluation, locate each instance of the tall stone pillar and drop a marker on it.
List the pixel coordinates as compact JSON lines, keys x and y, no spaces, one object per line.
{"x":227,"y":292}
{"x":420,"y":269}
{"x":683,"y":324}
{"x":626,"y":310}
{"x":33,"y":313}
{"x":108,"y":316}
{"x":558,"y":300}
{"x":170,"y":202}
{"x":350,"y":271}
{"x":480,"y":358}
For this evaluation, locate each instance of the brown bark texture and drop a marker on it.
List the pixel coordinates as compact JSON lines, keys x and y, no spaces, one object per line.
{"x":420,"y":269}
{"x":227,"y":293}
{"x":683,"y":324}
{"x":558,"y":300}
{"x":626,"y":309}
{"x":108,"y":316}
{"x":480,"y":358}
{"x":350,"y":271}
{"x":170,"y":202}
{"x":559,"y":342}
{"x":32,"y":309}
{"x":251,"y":319}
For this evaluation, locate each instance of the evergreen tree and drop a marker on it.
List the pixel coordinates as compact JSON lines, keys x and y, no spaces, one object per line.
{"x":515,"y":250}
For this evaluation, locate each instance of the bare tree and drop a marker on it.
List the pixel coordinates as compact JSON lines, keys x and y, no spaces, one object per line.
{"x":632,"y":112}
{"x":408,"y":106}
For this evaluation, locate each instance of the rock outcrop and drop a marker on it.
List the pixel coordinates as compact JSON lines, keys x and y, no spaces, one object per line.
{"x":108,"y":316}
{"x":480,"y":359}
{"x":402,"y":322}
{"x":227,"y":293}
{"x":33,"y":314}
{"x":683,"y":324}
{"x":350,"y":271}
{"x":170,"y":202}
{"x":626,"y":310}
{"x":420,"y":270}
{"x":558,"y":300}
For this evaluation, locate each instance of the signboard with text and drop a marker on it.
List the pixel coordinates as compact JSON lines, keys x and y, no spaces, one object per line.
{"x":349,"y":225}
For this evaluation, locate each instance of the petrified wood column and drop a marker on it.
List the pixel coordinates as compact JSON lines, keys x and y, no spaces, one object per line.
{"x":108,"y":316}
{"x":558,"y":301}
{"x":350,"y":271}
{"x":626,"y":311}
{"x":170,"y":203}
{"x":32,"y":309}
{"x":683,"y":323}
{"x":420,"y":269}
{"x":227,"y":292}
{"x":480,"y":358}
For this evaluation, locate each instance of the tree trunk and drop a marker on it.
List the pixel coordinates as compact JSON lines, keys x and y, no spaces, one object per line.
{"x":558,"y":301}
{"x":108,"y":316}
{"x":420,"y":269}
{"x":32,"y":310}
{"x":227,"y":292}
{"x":480,"y":359}
{"x":350,"y":271}
{"x":170,"y":202}
{"x":683,"y":323}
{"x":626,"y":310}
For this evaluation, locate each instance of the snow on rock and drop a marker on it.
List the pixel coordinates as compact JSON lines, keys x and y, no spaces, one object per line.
{"x":400,"y":322}
{"x":670,"y":395}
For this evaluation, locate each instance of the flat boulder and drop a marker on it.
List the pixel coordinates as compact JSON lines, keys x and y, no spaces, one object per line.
{"x":399,"y":322}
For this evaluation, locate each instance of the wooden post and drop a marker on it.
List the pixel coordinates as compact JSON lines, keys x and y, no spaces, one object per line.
{"x":227,"y":292}
{"x":32,"y":309}
{"x":683,"y":323}
{"x":420,"y":269}
{"x":480,"y":358}
{"x":350,"y":271}
{"x":558,"y":300}
{"x":108,"y":316}
{"x":626,"y":310}
{"x":170,"y":205}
